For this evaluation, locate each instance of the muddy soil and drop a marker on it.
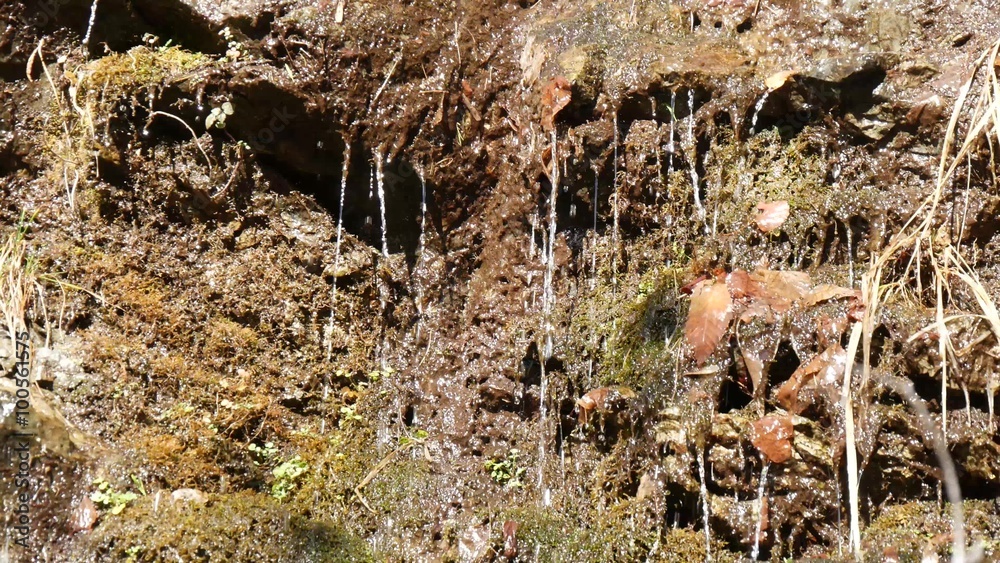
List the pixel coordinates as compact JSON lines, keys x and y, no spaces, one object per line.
{"x":508,"y":281}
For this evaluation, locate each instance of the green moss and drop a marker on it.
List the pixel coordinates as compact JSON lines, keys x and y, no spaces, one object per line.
{"x":239,"y":527}
{"x":909,"y":528}
{"x":621,"y":533}
{"x":140,"y":67}
{"x":80,"y":122}
{"x":626,"y":328}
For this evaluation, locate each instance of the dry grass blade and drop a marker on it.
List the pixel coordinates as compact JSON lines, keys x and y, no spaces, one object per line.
{"x":931,"y":245}
{"x":16,"y":282}
{"x":852,"y":453}
{"x":22,"y":282}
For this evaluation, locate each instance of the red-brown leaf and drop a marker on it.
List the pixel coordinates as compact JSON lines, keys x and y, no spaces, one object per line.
{"x":827,"y":367}
{"x":771,"y":215}
{"x":595,"y":399}
{"x":711,"y":311}
{"x":738,"y":282}
{"x":83,"y":516}
{"x":555,"y":97}
{"x":772,"y":436}
{"x":779,"y":289}
{"x":755,"y":367}
{"x":510,"y":539}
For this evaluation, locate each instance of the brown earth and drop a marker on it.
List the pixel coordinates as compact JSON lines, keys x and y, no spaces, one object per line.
{"x":441,"y":379}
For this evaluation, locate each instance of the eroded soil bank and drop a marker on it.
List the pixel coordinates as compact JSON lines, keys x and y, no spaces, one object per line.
{"x":438,"y":281}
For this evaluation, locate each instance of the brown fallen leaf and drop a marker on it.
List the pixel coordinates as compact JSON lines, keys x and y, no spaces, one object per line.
{"x":555,"y":97}
{"x":830,"y":329}
{"x":779,"y":289}
{"x":758,"y":345}
{"x":510,"y":539}
{"x":772,"y":436}
{"x":757,"y":309}
{"x":688,"y":288}
{"x":601,"y":400}
{"x":771,"y":215}
{"x":826,"y":367}
{"x":708,"y":319}
{"x":738,"y":282}
{"x":84,"y":516}
{"x":755,"y":366}
{"x":590,"y":402}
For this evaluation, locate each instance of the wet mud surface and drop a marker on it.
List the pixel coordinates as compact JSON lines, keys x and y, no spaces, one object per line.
{"x":511,"y":281}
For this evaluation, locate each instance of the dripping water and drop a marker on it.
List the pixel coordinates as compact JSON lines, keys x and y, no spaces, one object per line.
{"x":593,"y":257}
{"x":850,"y":254}
{"x":756,"y":112}
{"x":704,"y":506}
{"x":670,"y":143}
{"x":694,"y":156}
{"x":423,"y":211}
{"x":380,"y":179}
{"x":548,"y":298}
{"x":659,"y":162}
{"x":371,"y":194}
{"x":336,"y":255}
{"x":614,"y":196}
{"x":421,"y":247}
{"x":90,"y":25}
{"x":759,"y":508}
{"x":200,"y":98}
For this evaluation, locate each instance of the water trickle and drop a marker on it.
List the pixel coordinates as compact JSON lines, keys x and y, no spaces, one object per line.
{"x":380,"y":181}
{"x":90,"y":25}
{"x":614,"y":204}
{"x":336,"y":255}
{"x":659,"y":162}
{"x":421,"y":248}
{"x":759,"y":509}
{"x":548,"y":299}
{"x":704,"y":506}
{"x":850,"y":254}
{"x":531,"y":239}
{"x":593,"y":256}
{"x":756,"y":112}
{"x":694,"y":157}
{"x":670,"y":142}
{"x":423,"y":211}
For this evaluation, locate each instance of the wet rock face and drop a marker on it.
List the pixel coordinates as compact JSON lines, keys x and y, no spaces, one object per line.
{"x":427,"y":280}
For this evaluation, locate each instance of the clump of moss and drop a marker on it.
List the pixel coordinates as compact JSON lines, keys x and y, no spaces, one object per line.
{"x":623,"y":533}
{"x":911,"y":528}
{"x":238,"y":527}
{"x":140,"y":67}
{"x":628,"y":328}
{"x":87,"y":101}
